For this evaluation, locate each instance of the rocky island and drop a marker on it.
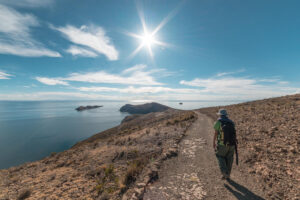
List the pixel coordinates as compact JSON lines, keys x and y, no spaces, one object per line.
{"x":81,"y":108}
{"x":144,"y":108}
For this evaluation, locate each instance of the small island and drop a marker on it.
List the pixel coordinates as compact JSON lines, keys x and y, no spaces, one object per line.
{"x":82,"y":108}
{"x":144,"y":108}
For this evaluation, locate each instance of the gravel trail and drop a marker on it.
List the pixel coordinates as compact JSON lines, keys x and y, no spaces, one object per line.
{"x":194,"y":173}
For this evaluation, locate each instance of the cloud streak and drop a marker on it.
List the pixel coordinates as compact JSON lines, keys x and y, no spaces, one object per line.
{"x":139,"y":90}
{"x":230,"y":73}
{"x":241,"y":87}
{"x":27,"y":3}
{"x":15,"y":36}
{"x":91,"y":38}
{"x":136,"y":75}
{"x":79,"y":51}
{"x":4,"y":75}
{"x":51,"y":81}
{"x":53,"y":96}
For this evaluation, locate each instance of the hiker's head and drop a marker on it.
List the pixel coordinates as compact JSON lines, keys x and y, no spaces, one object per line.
{"x":222,"y":112}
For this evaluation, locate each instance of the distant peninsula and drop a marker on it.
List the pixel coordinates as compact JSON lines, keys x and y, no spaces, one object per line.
{"x":144,"y":108}
{"x":82,"y":108}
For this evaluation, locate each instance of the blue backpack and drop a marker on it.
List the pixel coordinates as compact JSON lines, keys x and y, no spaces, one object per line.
{"x":228,"y":131}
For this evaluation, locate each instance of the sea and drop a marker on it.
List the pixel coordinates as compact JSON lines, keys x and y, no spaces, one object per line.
{"x":32,"y":130}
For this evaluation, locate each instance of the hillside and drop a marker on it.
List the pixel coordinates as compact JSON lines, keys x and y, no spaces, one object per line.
{"x":108,"y":165}
{"x":169,"y":155}
{"x":269,"y":139}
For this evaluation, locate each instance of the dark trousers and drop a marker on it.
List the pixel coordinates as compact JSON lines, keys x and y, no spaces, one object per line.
{"x":225,"y":158}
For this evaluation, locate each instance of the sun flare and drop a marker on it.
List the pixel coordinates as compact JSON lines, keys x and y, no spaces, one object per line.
{"x":148,"y":39}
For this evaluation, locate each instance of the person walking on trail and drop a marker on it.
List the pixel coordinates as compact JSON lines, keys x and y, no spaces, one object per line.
{"x":225,"y":143}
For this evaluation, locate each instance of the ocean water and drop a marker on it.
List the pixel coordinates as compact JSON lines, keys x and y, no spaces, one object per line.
{"x":31,"y":130}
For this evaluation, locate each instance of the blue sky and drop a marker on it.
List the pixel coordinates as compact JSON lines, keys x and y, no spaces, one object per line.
{"x":148,"y":50}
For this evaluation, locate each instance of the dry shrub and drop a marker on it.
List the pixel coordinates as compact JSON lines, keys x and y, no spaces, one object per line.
{"x":108,"y":183}
{"x":24,"y":194}
{"x":133,"y":170}
{"x":109,"y":170}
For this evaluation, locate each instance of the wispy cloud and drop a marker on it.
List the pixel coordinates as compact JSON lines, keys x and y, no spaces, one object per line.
{"x":139,"y":90}
{"x":15,"y":36}
{"x":27,"y":3}
{"x":136,"y":75}
{"x":51,"y":81}
{"x":134,"y":69}
{"x":4,"y":75}
{"x":91,"y":38}
{"x":79,"y":51}
{"x":53,"y":96}
{"x":241,"y":87}
{"x":230,"y":73}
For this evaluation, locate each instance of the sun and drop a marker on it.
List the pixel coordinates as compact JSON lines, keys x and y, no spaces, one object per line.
{"x":148,"y":39}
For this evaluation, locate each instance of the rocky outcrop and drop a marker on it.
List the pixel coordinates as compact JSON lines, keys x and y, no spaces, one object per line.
{"x":130,"y":117}
{"x":144,"y":108}
{"x":81,"y":108}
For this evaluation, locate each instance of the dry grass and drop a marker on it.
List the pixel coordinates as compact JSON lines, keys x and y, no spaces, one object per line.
{"x":106,"y":165}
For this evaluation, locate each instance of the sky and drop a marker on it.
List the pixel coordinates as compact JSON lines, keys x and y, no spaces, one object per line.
{"x":149,"y":50}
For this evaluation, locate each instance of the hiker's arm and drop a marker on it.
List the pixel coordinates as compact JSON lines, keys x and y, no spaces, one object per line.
{"x":215,"y":137}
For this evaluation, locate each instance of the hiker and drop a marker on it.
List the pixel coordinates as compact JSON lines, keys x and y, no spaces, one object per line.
{"x":226,"y":143}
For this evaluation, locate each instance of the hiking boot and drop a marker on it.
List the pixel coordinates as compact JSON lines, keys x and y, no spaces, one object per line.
{"x":224,"y":176}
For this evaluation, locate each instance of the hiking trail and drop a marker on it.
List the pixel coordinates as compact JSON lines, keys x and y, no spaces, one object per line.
{"x":194,"y":173}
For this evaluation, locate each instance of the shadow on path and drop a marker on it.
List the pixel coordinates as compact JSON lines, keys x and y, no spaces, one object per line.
{"x":241,"y":193}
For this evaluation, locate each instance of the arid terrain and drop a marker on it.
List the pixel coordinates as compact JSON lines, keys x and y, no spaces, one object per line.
{"x":269,"y":140}
{"x":108,"y":165}
{"x":169,"y":155}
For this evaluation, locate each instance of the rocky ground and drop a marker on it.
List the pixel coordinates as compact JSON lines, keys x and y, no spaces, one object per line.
{"x":113,"y":164}
{"x":269,"y":140}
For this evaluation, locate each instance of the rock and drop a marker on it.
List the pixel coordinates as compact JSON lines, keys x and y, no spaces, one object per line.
{"x":141,"y":185}
{"x":144,"y":108}
{"x":81,"y":108}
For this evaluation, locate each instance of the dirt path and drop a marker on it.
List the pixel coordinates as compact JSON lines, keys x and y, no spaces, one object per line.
{"x":194,"y":174}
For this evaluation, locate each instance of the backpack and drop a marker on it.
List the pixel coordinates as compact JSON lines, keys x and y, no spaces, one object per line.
{"x":228,"y":131}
